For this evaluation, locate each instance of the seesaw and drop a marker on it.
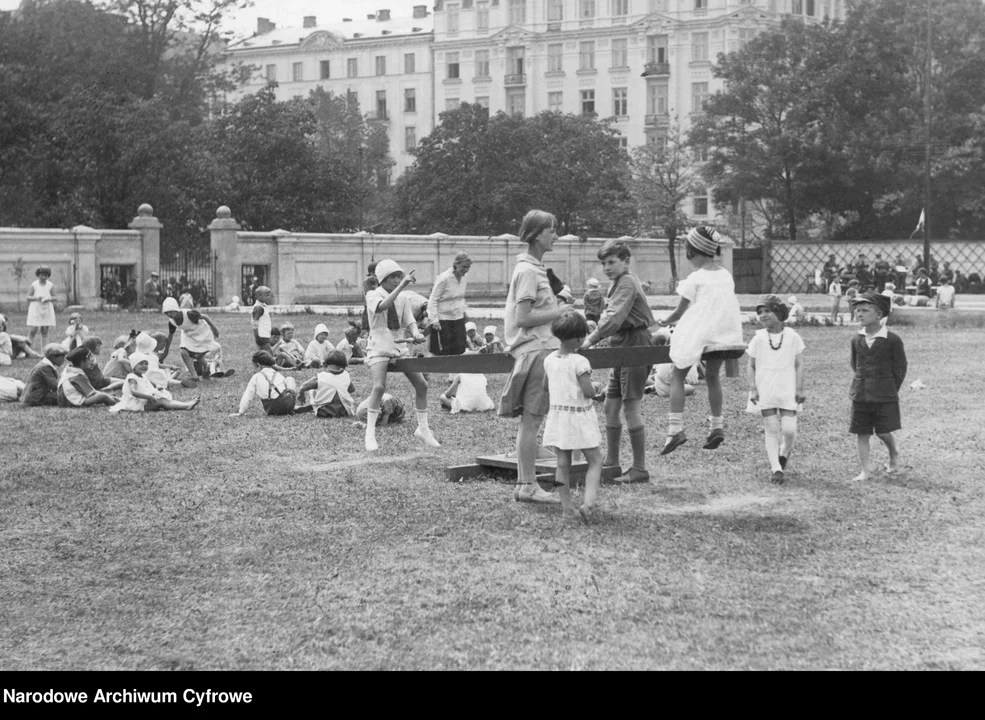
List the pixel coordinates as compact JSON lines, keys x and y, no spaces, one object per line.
{"x":599,"y":358}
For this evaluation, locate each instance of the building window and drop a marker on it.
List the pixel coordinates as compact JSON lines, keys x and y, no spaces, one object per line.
{"x":699,"y":96}
{"x":745,"y":36}
{"x":620,"y":8}
{"x":555,"y":101}
{"x":587,"y":102}
{"x":620,"y":53}
{"x":381,"y":64}
{"x":410,"y":138}
{"x":518,"y":12}
{"x":586,"y":9}
{"x":515,"y":101}
{"x":700,"y":201}
{"x":699,"y":47}
{"x":657,"y":138}
{"x":409,"y":63}
{"x":620,"y":102}
{"x":555,"y":10}
{"x":297,"y":72}
{"x":452,"y":65}
{"x":325,"y":68}
{"x":555,"y":54}
{"x":656,"y":49}
{"x":700,"y":4}
{"x":410,"y":100}
{"x":482,"y":15}
{"x":658,"y":6}
{"x":381,"y":105}
{"x":452,"y":104}
{"x":514,"y":60}
{"x":624,"y":143}
{"x":656,"y":99}
{"x":701,"y":153}
{"x":482,"y":63}
{"x":271,"y":73}
{"x":797,"y":7}
{"x":482,"y":101}
{"x":586,"y":55}
{"x":352,"y":67}
{"x":452,"y":19}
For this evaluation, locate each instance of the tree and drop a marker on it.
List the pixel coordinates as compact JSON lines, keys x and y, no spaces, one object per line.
{"x":664,"y":175}
{"x":764,"y":133}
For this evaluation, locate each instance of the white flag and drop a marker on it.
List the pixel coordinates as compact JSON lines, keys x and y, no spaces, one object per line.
{"x":919,"y":224}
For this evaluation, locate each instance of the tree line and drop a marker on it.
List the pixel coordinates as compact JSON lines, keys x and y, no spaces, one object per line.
{"x":820,"y":128}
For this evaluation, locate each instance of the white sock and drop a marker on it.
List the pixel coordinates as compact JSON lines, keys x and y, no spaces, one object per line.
{"x":771,"y":423}
{"x":423,"y":432}
{"x":717,"y":423}
{"x":675,"y":423}
{"x":371,"y":417}
{"x":788,"y":426}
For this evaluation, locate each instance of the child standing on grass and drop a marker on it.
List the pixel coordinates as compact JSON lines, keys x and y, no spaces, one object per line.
{"x":278,"y":394}
{"x":709,"y":315}
{"x":139,"y":395}
{"x":776,"y":381}
{"x":594,"y":301}
{"x":571,"y":421}
{"x":879,"y":362}
{"x":388,"y":314}
{"x":626,"y":322}
{"x":41,"y":307}
{"x":834,"y":292}
{"x":850,"y":294}
{"x":260,"y":318}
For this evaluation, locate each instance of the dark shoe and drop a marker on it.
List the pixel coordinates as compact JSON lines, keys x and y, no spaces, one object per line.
{"x":673,"y":442}
{"x":633,"y":476}
{"x":715,"y":438}
{"x":783,"y":462}
{"x":777,"y":478}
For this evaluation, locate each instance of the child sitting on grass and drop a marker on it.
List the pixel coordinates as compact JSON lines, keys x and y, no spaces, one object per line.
{"x":776,"y":381}
{"x":493,"y":343}
{"x":319,"y":348}
{"x":391,"y":411}
{"x":11,"y":389}
{"x":331,"y":389}
{"x":42,"y":384}
{"x":352,"y":345}
{"x":571,"y":421}
{"x":278,"y":394}
{"x":6,"y":346}
{"x":289,"y":352}
{"x":96,"y":377}
{"x":199,"y":337}
{"x":74,"y":388}
{"x":467,"y":393}
{"x":118,"y":365}
{"x":879,"y":363}
{"x":140,"y":395}
{"x":76,"y":332}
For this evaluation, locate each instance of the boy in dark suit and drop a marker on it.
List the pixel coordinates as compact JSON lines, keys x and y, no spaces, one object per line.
{"x":879,"y":363}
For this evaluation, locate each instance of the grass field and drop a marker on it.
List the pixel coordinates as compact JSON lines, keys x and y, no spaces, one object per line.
{"x":194,"y":540}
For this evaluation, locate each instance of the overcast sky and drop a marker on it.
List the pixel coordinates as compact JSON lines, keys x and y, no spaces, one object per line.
{"x":290,"y":13}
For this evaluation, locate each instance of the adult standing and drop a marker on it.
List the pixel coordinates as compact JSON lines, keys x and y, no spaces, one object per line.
{"x":152,"y":291}
{"x":446,"y":308}
{"x":830,"y":271}
{"x":530,"y":309}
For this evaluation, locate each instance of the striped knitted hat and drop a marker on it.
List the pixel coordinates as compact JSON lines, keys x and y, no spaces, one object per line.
{"x":703,"y":240}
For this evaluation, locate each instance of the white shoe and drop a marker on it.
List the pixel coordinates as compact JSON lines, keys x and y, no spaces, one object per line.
{"x":426,"y":437}
{"x":371,"y":445}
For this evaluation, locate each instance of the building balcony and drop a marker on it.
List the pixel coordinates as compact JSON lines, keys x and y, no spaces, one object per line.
{"x":515,"y":79}
{"x":655,"y":119}
{"x":380,"y":117}
{"x":656,"y":69}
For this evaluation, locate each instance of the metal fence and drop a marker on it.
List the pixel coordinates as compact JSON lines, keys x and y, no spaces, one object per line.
{"x":792,"y":267}
{"x":189,"y":271}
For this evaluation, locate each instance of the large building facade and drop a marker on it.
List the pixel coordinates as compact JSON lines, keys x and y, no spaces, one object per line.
{"x":646,"y":63}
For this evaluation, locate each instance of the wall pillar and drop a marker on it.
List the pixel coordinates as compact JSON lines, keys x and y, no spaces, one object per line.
{"x":149,"y":228}
{"x":86,"y":280}
{"x":282,"y":276}
{"x":225,"y":247}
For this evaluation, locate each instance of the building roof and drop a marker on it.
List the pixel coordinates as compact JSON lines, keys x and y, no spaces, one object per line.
{"x":358,"y":28}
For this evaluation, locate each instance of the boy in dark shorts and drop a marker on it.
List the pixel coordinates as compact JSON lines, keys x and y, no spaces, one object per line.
{"x":879,"y":363}
{"x":625,"y":320}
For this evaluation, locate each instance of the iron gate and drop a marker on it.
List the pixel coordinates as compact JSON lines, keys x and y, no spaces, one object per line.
{"x":191,"y":273}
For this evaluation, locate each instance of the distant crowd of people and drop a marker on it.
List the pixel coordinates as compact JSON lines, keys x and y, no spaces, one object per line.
{"x":921,"y":277}
{"x":188,"y":293}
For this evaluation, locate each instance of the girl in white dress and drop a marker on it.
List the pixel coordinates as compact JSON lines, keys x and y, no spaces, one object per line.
{"x":140,"y":395}
{"x":41,"y":310}
{"x":571,"y":421}
{"x":709,"y":315}
{"x":776,"y":381}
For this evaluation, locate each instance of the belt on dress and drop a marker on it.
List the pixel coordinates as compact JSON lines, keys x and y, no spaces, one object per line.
{"x":572,"y":408}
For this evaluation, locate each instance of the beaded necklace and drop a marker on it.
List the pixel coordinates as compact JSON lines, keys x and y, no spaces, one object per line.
{"x":770,"y":338}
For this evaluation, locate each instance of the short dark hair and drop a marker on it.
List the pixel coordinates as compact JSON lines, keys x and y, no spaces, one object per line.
{"x":615,"y":247}
{"x":262,"y":357}
{"x":570,"y":326}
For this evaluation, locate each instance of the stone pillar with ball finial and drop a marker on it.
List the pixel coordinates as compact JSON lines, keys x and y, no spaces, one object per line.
{"x":225,"y":252}
{"x":149,"y":228}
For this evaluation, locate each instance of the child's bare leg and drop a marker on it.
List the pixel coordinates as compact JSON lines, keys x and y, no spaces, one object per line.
{"x":677,"y":396}
{"x":44,"y":335}
{"x":423,"y":432}
{"x":377,"y":373}
{"x":526,"y":460}
{"x":33,"y":334}
{"x":563,"y":478}
{"x":890,"y":442}
{"x":189,"y":363}
{"x":178,"y":404}
{"x":863,"y":457}
{"x":99,"y":398}
{"x":714,"y":382}
{"x":592,"y":478}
